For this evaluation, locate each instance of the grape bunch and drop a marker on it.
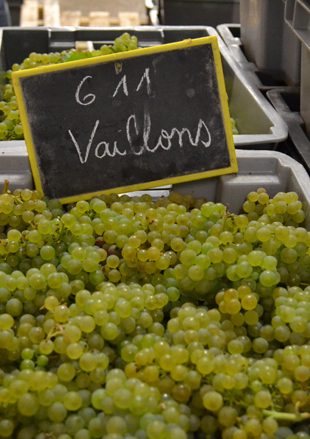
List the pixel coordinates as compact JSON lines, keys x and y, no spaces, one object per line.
{"x":132,"y":318}
{"x":10,"y":124}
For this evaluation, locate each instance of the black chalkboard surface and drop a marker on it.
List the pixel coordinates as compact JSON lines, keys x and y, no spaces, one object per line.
{"x":127,"y":121}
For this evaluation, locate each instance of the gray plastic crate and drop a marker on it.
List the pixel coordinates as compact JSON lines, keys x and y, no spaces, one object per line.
{"x":286,"y":101}
{"x":268,"y":42}
{"x":231,"y":35}
{"x":259,"y":124}
{"x":198,"y":12}
{"x":15,"y":166}
{"x":297,"y":16}
{"x":272,"y":170}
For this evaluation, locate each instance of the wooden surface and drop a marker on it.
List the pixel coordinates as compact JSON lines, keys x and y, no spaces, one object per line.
{"x":99,"y":19}
{"x":111,"y":6}
{"x":68,"y":13}
{"x":29,"y":14}
{"x":70,"y":18}
{"x":51,"y":13}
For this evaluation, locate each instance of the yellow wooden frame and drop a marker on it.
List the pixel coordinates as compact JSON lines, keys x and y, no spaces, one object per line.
{"x":16,"y":76}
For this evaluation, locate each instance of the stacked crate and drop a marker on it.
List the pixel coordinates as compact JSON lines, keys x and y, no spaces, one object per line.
{"x":272,"y":43}
{"x":264,"y":44}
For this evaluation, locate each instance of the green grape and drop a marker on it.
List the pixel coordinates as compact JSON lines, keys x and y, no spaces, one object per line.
{"x":6,"y":321}
{"x":262,"y":399}
{"x":14,"y":307}
{"x":260,"y":345}
{"x":248,"y":302}
{"x":72,"y":401}
{"x":28,"y":404}
{"x":47,"y":252}
{"x":18,"y":388}
{"x":61,"y":313}
{"x":213,"y":401}
{"x":195,"y":272}
{"x":66,"y":372}
{"x":57,"y":412}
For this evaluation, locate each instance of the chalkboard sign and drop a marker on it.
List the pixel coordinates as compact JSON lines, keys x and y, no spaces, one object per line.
{"x":127,"y":121}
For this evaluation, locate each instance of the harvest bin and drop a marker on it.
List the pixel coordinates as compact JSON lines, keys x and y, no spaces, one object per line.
{"x":274,"y":171}
{"x":198,"y":12}
{"x":287,"y":102}
{"x":268,"y":41}
{"x":297,"y":15}
{"x":259,"y":125}
{"x":271,"y":170}
{"x":263,"y":79}
{"x":264,"y":39}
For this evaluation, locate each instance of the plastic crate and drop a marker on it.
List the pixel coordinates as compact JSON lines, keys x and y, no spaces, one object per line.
{"x":259,"y":124}
{"x":5,"y":14}
{"x":15,"y":166}
{"x":231,"y":35}
{"x":198,"y":12}
{"x":274,"y":171}
{"x":287,"y":102}
{"x":268,"y":42}
{"x":297,"y":16}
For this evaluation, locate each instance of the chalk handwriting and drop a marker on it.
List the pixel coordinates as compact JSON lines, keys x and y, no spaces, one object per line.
{"x":77,"y":147}
{"x":77,"y":93}
{"x":145,"y":77}
{"x":107,"y":151}
{"x":123,"y":82}
{"x":164,"y":140}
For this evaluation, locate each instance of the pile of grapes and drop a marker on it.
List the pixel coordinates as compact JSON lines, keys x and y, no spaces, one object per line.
{"x":128,"y":318}
{"x":10,"y":124}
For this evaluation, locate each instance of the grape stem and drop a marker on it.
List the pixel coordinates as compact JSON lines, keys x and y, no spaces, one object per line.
{"x":225,"y":216}
{"x":291,"y":417}
{"x":60,"y":331}
{"x":5,"y":187}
